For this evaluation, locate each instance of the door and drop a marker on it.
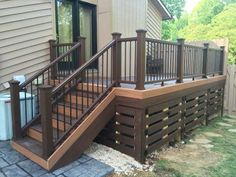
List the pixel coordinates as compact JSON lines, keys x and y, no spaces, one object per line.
{"x":74,"y":19}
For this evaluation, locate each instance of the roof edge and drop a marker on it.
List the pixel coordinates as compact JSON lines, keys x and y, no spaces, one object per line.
{"x":166,"y":15}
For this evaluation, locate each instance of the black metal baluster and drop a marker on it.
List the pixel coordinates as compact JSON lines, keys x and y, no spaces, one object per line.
{"x":31,"y":98}
{"x":130,"y":59}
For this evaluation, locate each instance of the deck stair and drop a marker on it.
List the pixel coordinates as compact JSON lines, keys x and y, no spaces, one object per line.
{"x":70,"y":108}
{"x":70,"y":101}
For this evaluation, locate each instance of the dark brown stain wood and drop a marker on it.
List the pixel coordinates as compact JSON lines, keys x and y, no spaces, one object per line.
{"x":87,"y":137}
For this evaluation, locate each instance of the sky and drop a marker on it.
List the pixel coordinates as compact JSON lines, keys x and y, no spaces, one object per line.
{"x":190,"y":4}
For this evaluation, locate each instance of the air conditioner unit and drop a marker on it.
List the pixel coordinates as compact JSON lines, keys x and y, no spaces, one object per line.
{"x":27,"y":109}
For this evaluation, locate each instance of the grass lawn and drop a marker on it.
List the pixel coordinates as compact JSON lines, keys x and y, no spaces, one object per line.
{"x":210,"y":151}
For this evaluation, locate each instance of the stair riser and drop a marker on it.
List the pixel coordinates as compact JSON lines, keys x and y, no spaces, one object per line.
{"x":86,"y":87}
{"x":69,"y":112}
{"x":38,"y":135}
{"x":34,"y":134}
{"x":80,"y":100}
{"x":90,"y":88}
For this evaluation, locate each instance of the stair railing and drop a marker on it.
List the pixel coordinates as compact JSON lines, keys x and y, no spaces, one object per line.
{"x":83,"y":90}
{"x":25,"y":97}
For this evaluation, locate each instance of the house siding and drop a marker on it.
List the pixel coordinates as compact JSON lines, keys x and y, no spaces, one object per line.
{"x":154,"y":21}
{"x":128,"y":16}
{"x":25,"y":28}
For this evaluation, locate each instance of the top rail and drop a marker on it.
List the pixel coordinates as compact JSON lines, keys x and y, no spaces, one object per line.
{"x":84,"y":66}
{"x":50,"y":65}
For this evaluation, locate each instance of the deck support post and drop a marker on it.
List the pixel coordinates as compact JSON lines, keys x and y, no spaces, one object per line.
{"x":52,"y":44}
{"x":82,"y":55}
{"x":46,"y":119}
{"x":141,"y":58}
{"x":15,"y":109}
{"x":116,"y":58}
{"x":180,"y":60}
{"x":140,"y":135}
{"x":222,"y":60}
{"x":205,"y":60}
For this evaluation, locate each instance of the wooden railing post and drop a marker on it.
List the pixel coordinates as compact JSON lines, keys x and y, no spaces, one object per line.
{"x":82,"y":55}
{"x":205,"y":60}
{"x":46,"y":119}
{"x":141,"y":58}
{"x":53,"y":56}
{"x":15,"y":109}
{"x":140,"y":135}
{"x":116,"y":58}
{"x":180,"y":61}
{"x":222,"y":59}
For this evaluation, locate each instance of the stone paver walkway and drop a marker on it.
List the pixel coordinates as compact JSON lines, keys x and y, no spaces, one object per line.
{"x":13,"y":164}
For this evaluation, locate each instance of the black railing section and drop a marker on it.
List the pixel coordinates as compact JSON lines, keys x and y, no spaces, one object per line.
{"x":75,"y":97}
{"x":128,"y":59}
{"x":76,"y":87}
{"x":214,"y":62}
{"x":28,"y":91}
{"x":193,"y":61}
{"x":161,"y":61}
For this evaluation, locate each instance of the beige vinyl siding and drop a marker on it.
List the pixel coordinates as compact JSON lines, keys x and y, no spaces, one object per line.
{"x":153,"y":21}
{"x":128,"y":16}
{"x":25,"y":28}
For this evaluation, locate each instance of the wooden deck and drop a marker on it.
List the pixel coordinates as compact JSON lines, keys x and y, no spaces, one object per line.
{"x":146,"y":120}
{"x":151,"y":91}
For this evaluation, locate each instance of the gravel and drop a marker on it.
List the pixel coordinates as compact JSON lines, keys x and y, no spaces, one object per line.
{"x":123,"y":164}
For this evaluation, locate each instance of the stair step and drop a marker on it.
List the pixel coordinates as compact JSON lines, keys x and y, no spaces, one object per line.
{"x":35,"y":132}
{"x":81,"y":98}
{"x":91,"y":87}
{"x":60,"y":119}
{"x":31,"y":144}
{"x":70,"y":110}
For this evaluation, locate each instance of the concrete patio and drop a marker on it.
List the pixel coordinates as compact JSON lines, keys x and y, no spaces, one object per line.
{"x":13,"y":164}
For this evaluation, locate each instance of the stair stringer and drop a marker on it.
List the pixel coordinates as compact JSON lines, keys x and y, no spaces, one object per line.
{"x":84,"y":134}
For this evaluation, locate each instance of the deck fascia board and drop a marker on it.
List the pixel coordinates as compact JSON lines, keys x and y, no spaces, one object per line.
{"x":149,"y":93}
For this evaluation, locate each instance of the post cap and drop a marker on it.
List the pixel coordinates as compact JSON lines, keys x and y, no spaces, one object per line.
{"x":141,"y":31}
{"x":180,"y":40}
{"x":222,"y":47}
{"x":206,"y":45}
{"x":14,"y":82}
{"x":116,"y":35}
{"x":44,"y":87}
{"x":52,"y":41}
{"x":81,"y":37}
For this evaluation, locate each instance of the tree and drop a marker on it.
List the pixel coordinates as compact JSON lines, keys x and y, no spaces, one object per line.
{"x":175,"y":7}
{"x":223,"y":25}
{"x":168,"y":27}
{"x":206,"y":10}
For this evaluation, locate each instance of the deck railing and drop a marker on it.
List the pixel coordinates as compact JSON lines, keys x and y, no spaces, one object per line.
{"x":137,"y":60}
{"x":146,"y":61}
{"x":26,"y":96}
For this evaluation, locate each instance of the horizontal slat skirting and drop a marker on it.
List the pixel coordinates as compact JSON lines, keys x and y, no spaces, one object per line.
{"x":160,"y":125}
{"x":164,"y":114}
{"x":124,"y":110}
{"x":159,"y":135}
{"x":120,"y":147}
{"x":122,"y":119}
{"x":122,"y":139}
{"x":194,"y":123}
{"x":158,"y":144}
{"x":156,"y":108}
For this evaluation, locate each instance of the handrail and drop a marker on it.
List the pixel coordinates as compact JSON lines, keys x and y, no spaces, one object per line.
{"x":160,"y":41}
{"x":80,"y":69}
{"x":49,"y":65}
{"x":83,"y":115}
{"x":61,"y":91}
